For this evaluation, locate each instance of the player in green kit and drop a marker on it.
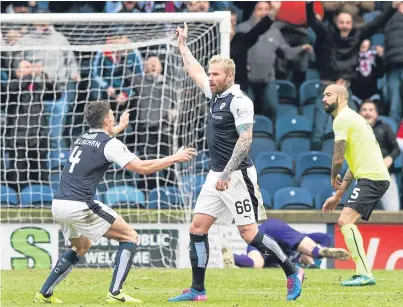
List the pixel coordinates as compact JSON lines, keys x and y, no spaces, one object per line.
{"x":354,"y":141}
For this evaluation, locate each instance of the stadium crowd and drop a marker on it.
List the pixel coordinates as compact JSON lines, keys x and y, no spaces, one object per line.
{"x":286,"y":53}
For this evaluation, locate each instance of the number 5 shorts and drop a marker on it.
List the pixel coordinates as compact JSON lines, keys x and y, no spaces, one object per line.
{"x":242,"y":202}
{"x":366,"y":195}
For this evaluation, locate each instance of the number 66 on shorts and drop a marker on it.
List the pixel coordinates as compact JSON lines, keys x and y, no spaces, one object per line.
{"x":241,"y":202}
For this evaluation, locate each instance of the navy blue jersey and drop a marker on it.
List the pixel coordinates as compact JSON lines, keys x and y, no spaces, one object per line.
{"x":92,"y":155}
{"x":227,"y":111}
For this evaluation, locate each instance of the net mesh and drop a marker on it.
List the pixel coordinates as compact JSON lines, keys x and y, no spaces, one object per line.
{"x":48,"y":74}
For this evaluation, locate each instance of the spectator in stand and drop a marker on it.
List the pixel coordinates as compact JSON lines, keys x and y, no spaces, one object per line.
{"x":153,"y":106}
{"x":393,"y":61}
{"x":291,"y":21}
{"x":123,"y":7}
{"x":197,"y":6}
{"x":27,"y":135}
{"x":61,"y":69}
{"x":113,"y":71}
{"x":355,"y":8}
{"x":365,"y":85}
{"x":337,"y":47}
{"x":240,"y":44}
{"x":143,"y":6}
{"x":262,"y":58}
{"x":386,"y":139}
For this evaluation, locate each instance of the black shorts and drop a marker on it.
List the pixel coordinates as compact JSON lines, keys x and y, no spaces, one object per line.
{"x":365,"y":196}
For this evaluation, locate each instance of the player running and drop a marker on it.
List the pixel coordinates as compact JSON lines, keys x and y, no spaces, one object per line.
{"x":355,"y":141}
{"x":82,"y":218}
{"x":299,"y":247}
{"x":231,"y":190}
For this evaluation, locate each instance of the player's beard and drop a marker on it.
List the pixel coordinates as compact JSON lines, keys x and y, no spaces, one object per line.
{"x":332,"y":107}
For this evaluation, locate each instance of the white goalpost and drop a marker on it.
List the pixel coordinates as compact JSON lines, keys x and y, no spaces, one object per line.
{"x":52,"y":65}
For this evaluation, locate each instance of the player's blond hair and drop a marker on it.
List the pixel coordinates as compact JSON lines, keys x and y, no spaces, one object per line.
{"x":228,"y":63}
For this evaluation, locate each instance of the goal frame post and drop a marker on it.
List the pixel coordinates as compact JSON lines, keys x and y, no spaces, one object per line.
{"x":222,"y":17}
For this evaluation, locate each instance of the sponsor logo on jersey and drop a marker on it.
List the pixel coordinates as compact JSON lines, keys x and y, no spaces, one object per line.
{"x":222,"y":105}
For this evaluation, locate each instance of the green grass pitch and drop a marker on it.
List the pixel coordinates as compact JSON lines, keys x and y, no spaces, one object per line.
{"x":226,"y":288}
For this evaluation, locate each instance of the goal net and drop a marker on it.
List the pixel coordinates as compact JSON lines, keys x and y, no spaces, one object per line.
{"x":52,"y":65}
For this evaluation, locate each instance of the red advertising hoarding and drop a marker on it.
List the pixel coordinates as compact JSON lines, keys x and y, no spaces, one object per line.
{"x":383,"y":245}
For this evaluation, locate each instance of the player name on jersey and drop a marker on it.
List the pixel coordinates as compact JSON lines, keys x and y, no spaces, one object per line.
{"x":93,"y":143}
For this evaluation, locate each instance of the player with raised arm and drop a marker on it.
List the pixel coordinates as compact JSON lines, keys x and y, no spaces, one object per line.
{"x":82,"y":218}
{"x":231,"y":190}
{"x":354,"y":141}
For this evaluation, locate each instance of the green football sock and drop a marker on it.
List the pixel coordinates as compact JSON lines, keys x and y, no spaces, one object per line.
{"x":353,"y":239}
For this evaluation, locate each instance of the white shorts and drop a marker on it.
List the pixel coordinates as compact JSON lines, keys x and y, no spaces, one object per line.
{"x":241,"y":202}
{"x":76,"y":218}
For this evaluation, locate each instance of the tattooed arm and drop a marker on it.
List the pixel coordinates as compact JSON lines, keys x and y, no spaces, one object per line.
{"x":338,"y":160}
{"x":193,"y":67}
{"x":240,"y":152}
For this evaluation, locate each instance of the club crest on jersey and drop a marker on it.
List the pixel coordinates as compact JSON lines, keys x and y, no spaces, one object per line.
{"x":222,"y":105}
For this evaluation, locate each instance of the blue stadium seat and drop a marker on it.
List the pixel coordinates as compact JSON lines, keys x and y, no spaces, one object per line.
{"x":266,"y":199}
{"x":57,"y":158}
{"x":308,"y":93}
{"x":293,"y":198}
{"x":275,"y":171}
{"x":285,"y":109}
{"x":193,"y":183}
{"x":36,"y":195}
{"x":54,"y":180}
{"x":203,"y":162}
{"x":273,"y":159}
{"x":286,"y":90}
{"x":313,"y":171}
{"x":263,"y":126}
{"x":328,"y":138}
{"x":287,"y":96}
{"x":8,"y":196}
{"x":261,"y":144}
{"x":166,"y":197}
{"x":124,"y":196}
{"x":308,"y":111}
{"x":312,"y":74}
{"x":321,"y":197}
{"x":293,"y":134}
{"x":388,"y":121}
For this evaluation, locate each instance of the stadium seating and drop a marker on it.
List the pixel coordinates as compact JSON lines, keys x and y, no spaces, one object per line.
{"x":293,"y":135}
{"x":203,"y":162}
{"x":328,"y":138}
{"x":193,"y":183}
{"x":321,"y":197}
{"x":36,"y":195}
{"x":261,"y":144}
{"x":307,"y":98}
{"x":293,"y":198}
{"x":313,"y":171}
{"x":124,"y":196}
{"x":388,"y":121}
{"x":287,"y":95}
{"x":54,"y":180}
{"x":8,"y":196}
{"x":275,"y":171}
{"x":169,"y":197}
{"x":266,"y":199}
{"x":57,"y":158}
{"x":263,"y":126}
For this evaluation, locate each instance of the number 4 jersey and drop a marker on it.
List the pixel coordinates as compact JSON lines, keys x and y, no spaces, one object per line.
{"x":92,"y":155}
